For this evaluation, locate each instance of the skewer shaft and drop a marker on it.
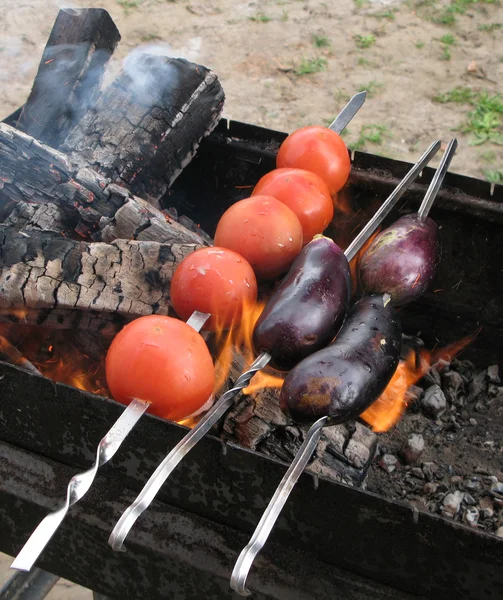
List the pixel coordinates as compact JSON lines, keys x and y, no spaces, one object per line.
{"x":274,"y":508}
{"x":357,"y":244}
{"x":438,"y":178}
{"x":163,"y":471}
{"x":79,"y":485}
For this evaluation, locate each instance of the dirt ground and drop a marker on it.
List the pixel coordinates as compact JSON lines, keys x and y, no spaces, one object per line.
{"x":405,"y":53}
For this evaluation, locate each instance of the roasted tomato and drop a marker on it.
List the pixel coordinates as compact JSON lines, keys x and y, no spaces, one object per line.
{"x":164,"y":361}
{"x":264,"y":231}
{"x":305,"y":193}
{"x":216,"y":281}
{"x":319,"y":150}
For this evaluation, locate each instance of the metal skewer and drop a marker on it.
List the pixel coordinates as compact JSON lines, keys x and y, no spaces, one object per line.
{"x":438,"y":178}
{"x":348,"y":112}
{"x":158,"y":478}
{"x":277,"y":502}
{"x":80,"y":484}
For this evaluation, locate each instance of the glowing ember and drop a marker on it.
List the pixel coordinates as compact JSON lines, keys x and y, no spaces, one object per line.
{"x":389,"y":407}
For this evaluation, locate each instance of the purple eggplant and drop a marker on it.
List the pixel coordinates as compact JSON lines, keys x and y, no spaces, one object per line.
{"x":345,"y":378}
{"x":402,"y":260}
{"x":309,"y":306}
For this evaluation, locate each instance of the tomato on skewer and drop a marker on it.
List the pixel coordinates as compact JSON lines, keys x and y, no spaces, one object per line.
{"x":305,"y":193}
{"x":164,"y":361}
{"x":319,"y":150}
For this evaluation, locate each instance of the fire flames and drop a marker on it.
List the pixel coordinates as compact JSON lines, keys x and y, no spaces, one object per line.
{"x":389,"y":407}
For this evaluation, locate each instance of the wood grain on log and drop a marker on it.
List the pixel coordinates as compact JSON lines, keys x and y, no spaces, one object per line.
{"x":42,"y":270}
{"x":35,"y":173}
{"x":146,"y":126}
{"x":70,"y":72}
{"x":256,"y":421}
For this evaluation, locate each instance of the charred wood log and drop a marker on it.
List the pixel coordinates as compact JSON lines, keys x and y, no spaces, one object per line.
{"x":147,"y":125}
{"x":86,"y":201}
{"x":69,"y":74}
{"x":345,"y":452}
{"x":42,"y":270}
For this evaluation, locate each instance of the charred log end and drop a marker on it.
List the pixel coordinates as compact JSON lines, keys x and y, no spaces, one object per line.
{"x":147,"y":125}
{"x":70,"y":72}
{"x":42,"y":270}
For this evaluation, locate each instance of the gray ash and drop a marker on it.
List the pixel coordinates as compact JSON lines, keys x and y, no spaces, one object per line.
{"x":445,"y":456}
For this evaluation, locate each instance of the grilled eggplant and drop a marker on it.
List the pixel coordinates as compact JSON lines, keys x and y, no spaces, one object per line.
{"x":309,"y":306}
{"x":345,"y":378}
{"x":402,"y":260}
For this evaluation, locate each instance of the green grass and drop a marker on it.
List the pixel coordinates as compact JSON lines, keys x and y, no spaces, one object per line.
{"x":493,"y":176}
{"x":384,"y":14}
{"x":485,"y":121}
{"x":489,"y":157}
{"x":448,"y":39}
{"x":419,"y":44}
{"x":311,"y":65}
{"x":260,"y":18}
{"x":321,"y":41}
{"x":446,"y":53}
{"x":373,"y":134}
{"x":149,"y":37}
{"x":362,"y":61}
{"x":360,"y":3}
{"x":364,"y":41}
{"x":128,"y":4}
{"x":448,"y":14}
{"x":490,"y":27}
{"x":372,"y":87}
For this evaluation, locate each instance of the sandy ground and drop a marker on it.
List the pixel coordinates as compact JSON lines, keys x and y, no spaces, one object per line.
{"x":261,"y":50}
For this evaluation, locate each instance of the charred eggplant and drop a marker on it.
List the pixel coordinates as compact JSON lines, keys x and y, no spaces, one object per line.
{"x":345,"y":378}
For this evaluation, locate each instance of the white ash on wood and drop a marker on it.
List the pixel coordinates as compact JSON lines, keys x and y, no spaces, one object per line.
{"x":85,"y":201}
{"x":42,"y":270}
{"x":146,"y":126}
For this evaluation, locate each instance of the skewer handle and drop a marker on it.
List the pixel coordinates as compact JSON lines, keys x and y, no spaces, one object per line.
{"x":348,"y":112}
{"x":357,"y":244}
{"x":164,"y":470}
{"x":438,"y":178}
{"x":274,"y":508}
{"x":79,"y":486}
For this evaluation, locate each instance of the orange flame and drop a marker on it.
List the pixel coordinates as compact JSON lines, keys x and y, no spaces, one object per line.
{"x":389,"y":407}
{"x":238,"y":342}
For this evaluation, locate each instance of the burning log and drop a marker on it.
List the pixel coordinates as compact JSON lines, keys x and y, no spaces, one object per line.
{"x":79,"y":199}
{"x":147,"y":125}
{"x":42,"y":270}
{"x":256,"y":421}
{"x":69,"y":74}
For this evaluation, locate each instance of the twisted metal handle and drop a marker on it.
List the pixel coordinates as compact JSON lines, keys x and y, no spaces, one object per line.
{"x":79,"y":485}
{"x":274,"y":508}
{"x":164,"y":470}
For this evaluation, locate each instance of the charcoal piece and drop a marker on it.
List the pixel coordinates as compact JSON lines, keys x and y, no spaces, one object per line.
{"x":146,"y":126}
{"x":434,"y":402}
{"x":453,"y":386}
{"x":70,"y":72}
{"x":42,"y":270}
{"x":256,"y":421}
{"x":413,"y":448}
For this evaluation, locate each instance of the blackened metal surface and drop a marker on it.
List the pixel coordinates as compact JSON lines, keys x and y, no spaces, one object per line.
{"x":171,"y":554}
{"x":342,"y":526}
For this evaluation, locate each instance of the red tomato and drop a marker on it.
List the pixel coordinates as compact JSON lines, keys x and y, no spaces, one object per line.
{"x":161,"y":360}
{"x":263,"y":230}
{"x":320,"y":150}
{"x":305,"y":193}
{"x":216,"y":281}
